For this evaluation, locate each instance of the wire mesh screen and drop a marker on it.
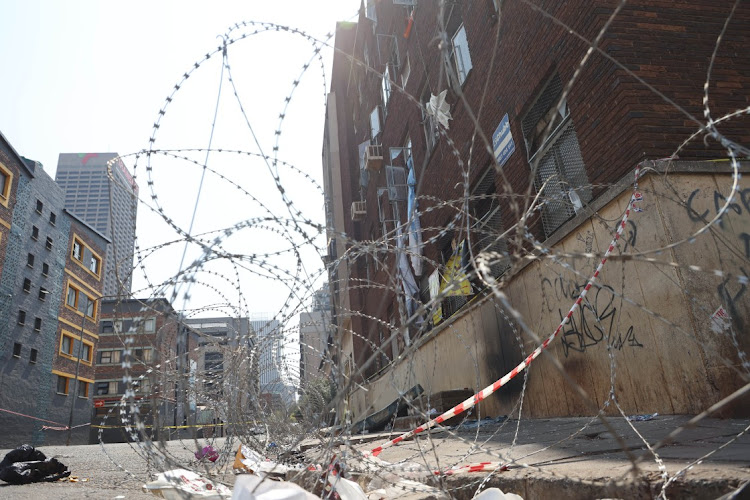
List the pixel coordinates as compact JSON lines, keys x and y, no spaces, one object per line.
{"x":561,"y":177}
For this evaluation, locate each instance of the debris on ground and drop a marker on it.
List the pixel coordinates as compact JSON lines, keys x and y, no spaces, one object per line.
{"x":181,"y":484}
{"x":26,"y":465}
{"x":496,"y":494}
{"x":642,"y":418}
{"x":255,"y":487}
{"x":208,"y":453}
{"x":249,"y":461}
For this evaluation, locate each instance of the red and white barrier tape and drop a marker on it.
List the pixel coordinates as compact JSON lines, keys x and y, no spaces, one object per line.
{"x":29,"y":416}
{"x":477,"y":467}
{"x":490,"y":389}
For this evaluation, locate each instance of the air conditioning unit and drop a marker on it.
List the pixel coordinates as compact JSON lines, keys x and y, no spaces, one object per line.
{"x":359,"y":210}
{"x":374,"y":157}
{"x":408,"y":3}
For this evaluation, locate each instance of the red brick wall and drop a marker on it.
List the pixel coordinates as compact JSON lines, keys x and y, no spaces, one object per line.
{"x":618,"y":120}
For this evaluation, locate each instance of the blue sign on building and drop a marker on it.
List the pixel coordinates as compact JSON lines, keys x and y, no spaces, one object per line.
{"x":502,"y":141}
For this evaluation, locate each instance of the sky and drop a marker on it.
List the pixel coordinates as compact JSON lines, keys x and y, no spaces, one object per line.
{"x":92,"y":76}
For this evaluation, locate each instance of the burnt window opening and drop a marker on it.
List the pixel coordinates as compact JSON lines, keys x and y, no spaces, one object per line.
{"x":552,"y":147}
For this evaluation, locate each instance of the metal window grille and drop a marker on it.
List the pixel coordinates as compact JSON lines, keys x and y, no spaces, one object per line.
{"x":562,"y":169}
{"x":560,"y":173}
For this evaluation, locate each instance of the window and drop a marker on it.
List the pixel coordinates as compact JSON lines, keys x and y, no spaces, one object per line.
{"x":21,"y":317}
{"x":90,"y":309}
{"x":142,"y":386}
{"x":460,"y":54}
{"x":77,"y":250}
{"x":66,"y":345}
{"x":144,"y":354}
{"x":52,"y":218}
{"x":30,"y":260}
{"x":45,"y":269}
{"x":149,"y":325}
{"x":34,"y":232}
{"x":6,"y":181}
{"x":32,"y":356}
{"x":62,"y":385}
{"x":16,"y":350}
{"x":375,"y":126}
{"x":552,"y":146}
{"x":405,"y":72}
{"x":86,"y":352}
{"x":370,"y":11}
{"x":109,"y":357}
{"x":43,"y":294}
{"x":386,"y":88}
{"x":39,"y":206}
{"x":429,"y":122}
{"x":107,"y":326}
{"x":83,"y":389}
{"x":37,"y":324}
{"x":95,"y":264}
{"x":106,"y":388}
{"x":72,"y":297}
{"x":26,"y":285}
{"x":49,"y":243}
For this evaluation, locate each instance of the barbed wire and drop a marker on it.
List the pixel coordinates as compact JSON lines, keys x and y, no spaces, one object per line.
{"x":597,"y":311}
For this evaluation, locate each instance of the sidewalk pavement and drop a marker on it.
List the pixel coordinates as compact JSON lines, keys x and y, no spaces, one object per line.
{"x":579,"y":458}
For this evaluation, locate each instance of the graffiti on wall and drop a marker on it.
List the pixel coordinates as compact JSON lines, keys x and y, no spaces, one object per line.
{"x":739,"y":208}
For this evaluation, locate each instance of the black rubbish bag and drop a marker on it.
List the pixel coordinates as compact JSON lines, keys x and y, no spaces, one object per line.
{"x":26,"y":465}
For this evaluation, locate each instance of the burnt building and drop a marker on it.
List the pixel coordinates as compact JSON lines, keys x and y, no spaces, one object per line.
{"x":461,"y":135}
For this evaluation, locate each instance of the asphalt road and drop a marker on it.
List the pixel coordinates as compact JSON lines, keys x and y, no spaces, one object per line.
{"x":114,"y":471}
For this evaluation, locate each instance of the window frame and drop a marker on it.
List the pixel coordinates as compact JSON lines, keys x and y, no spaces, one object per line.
{"x":405,"y":72}
{"x":459,"y":52}
{"x":39,"y":206}
{"x":385,"y":88}
{"x":37,"y":324}
{"x":17,"y":348}
{"x":5,"y":185}
{"x":26,"y":285}
{"x":21,"y":317}
{"x":33,"y":354}
{"x":34,"y":233}
{"x":66,"y":389}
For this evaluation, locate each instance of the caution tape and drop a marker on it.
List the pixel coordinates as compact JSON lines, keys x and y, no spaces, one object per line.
{"x":490,"y":389}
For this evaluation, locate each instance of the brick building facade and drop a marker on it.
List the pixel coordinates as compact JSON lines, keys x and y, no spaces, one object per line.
{"x":41,"y":340}
{"x":141,"y":334}
{"x":517,"y":75}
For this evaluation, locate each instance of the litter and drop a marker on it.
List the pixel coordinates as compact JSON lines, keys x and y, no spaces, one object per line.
{"x":496,"y":494}
{"x":249,"y":461}
{"x":181,"y":484}
{"x":254,"y":487}
{"x":26,"y":465}
{"x":473,"y":424}
{"x":208,"y":452}
{"x":642,"y":418}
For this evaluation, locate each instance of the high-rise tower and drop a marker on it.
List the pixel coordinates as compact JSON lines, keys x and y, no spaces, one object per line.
{"x":110,"y":208}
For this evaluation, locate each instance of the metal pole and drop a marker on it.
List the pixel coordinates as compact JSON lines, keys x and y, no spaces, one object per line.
{"x":75,"y":380}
